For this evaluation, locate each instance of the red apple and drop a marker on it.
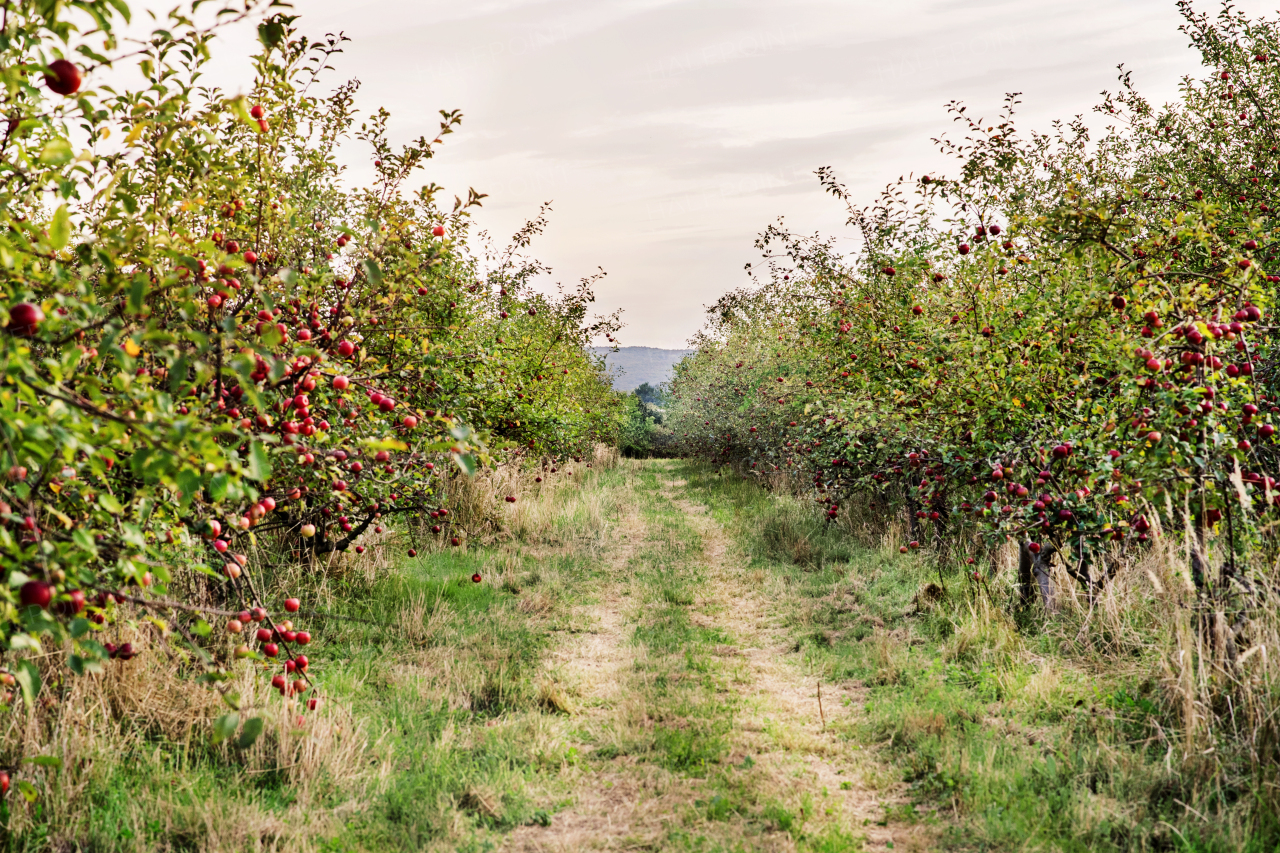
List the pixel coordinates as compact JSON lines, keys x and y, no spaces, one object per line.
{"x":75,"y":605}
{"x":292,"y":605}
{"x":476,"y":577}
{"x":36,"y":594}
{"x":23,"y":319}
{"x":63,"y":77}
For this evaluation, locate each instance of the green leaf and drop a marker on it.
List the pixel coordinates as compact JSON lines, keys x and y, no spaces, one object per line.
{"x":249,"y":734}
{"x":271,"y":33}
{"x":46,"y":761}
{"x":56,"y":152}
{"x":28,"y":678}
{"x":225,"y":726}
{"x":82,"y":666}
{"x":24,"y":642}
{"x":466,"y":462}
{"x":219,"y":486}
{"x":28,"y":790}
{"x":84,"y":541}
{"x":189,"y":484}
{"x":60,"y":228}
{"x":258,"y":466}
{"x":79,"y":627}
{"x":372,"y":272}
{"x":201,"y":628}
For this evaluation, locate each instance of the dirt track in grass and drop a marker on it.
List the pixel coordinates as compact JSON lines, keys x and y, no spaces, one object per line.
{"x":789,"y":775}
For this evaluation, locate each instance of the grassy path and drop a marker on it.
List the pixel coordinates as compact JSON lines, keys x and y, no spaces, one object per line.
{"x":639,"y":669}
{"x":691,"y":701}
{"x":633,"y":672}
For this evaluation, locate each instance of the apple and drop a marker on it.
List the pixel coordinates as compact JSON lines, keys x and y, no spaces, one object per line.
{"x":270,"y":649}
{"x":341,"y":383}
{"x":63,"y":77}
{"x":244,"y":616}
{"x":257,"y":111}
{"x":302,"y":639}
{"x":312,"y":704}
{"x":263,"y":635}
{"x":292,"y":605}
{"x":278,"y":682}
{"x":308,"y":530}
{"x":258,"y":614}
{"x":476,"y":577}
{"x":438,"y":231}
{"x":36,"y":594}
{"x":234,"y":626}
{"x":1034,"y":547}
{"x":346,"y":348}
{"x":23,"y":319}
{"x":4,"y":779}
{"x":75,"y":605}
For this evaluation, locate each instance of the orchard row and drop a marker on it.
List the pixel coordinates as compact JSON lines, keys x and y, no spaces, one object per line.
{"x":211,"y":342}
{"x":1069,"y":344}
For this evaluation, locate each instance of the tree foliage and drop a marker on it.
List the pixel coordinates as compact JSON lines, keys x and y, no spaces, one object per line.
{"x":209,"y":336}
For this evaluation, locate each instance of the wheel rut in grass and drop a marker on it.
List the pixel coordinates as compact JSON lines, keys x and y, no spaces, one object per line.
{"x":718,"y":743}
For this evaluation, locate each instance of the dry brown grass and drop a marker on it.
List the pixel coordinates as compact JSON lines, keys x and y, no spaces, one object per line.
{"x":90,"y":723}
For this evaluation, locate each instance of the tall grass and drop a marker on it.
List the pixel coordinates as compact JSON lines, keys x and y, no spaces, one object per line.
{"x":406,"y":653}
{"x":1159,"y":708}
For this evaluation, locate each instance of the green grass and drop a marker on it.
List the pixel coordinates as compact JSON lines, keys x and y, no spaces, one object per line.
{"x":1005,"y":735}
{"x":1042,"y":748}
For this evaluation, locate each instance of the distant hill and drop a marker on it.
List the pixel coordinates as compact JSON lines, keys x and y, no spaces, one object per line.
{"x":634,"y":366}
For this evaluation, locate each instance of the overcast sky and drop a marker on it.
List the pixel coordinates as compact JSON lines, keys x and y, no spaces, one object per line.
{"x":668,"y":133}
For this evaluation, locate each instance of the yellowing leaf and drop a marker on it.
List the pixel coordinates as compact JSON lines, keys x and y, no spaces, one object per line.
{"x":131,"y":348}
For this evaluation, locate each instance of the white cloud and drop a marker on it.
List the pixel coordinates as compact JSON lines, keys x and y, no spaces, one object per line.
{"x":669,"y":132}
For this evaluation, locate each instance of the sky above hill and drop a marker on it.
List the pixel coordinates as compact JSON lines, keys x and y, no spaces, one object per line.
{"x":668,"y":133}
